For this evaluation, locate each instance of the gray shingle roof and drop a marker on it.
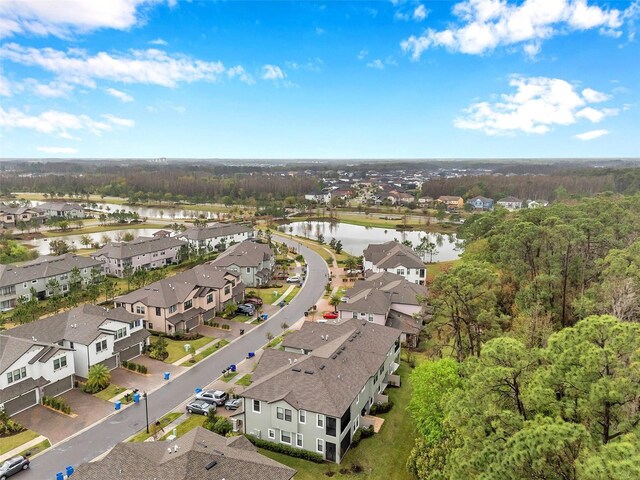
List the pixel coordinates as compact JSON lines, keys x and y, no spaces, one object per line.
{"x":214,"y":231}
{"x":43,"y":267}
{"x":245,"y":254}
{"x":368,"y":300}
{"x":329,"y":378}
{"x":405,"y":323}
{"x":392,"y":254}
{"x":60,"y":206}
{"x":197,"y":449}
{"x":397,"y":287}
{"x":139,"y":246}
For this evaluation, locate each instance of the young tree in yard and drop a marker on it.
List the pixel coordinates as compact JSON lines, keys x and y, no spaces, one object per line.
{"x":350,"y":263}
{"x":27,"y":308}
{"x":140,"y":277}
{"x":338,"y":247}
{"x":59,"y":247}
{"x":269,"y":336}
{"x":334,"y":301}
{"x":109,"y":287}
{"x":85,"y":240}
{"x":98,"y":379}
{"x":54,"y":290}
{"x":22,"y":226}
{"x":127,"y":274}
{"x":229,"y":309}
{"x":127,"y":236}
{"x":158,"y":350}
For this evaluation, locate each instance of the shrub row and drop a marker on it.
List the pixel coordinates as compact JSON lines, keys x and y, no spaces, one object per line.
{"x":377,"y":408}
{"x":225,"y":327}
{"x":56,"y":403}
{"x":360,"y":434}
{"x":286,"y":449}
{"x":136,"y":367}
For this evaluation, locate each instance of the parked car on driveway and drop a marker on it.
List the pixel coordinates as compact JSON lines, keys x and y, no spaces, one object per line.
{"x":246,"y":309}
{"x":212,"y":396}
{"x":200,"y":407}
{"x":13,"y":466}
{"x":254,"y":300}
{"x":233,"y":404}
{"x":330,"y":315}
{"x":294,"y":279}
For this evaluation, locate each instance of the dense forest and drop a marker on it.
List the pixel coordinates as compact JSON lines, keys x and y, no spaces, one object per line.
{"x":535,"y":347}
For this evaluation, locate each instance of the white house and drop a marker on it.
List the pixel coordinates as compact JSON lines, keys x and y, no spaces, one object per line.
{"x":61,"y":209}
{"x":510,"y":203}
{"x":217,"y":236}
{"x":395,"y":258}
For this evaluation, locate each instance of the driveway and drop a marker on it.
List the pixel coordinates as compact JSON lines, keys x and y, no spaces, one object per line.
{"x":57,"y":426}
{"x":150,"y":382}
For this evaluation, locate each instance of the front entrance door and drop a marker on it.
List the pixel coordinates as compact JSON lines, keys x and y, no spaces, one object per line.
{"x":331,"y":452}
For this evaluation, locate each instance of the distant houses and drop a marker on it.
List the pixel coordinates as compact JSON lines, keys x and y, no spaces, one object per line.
{"x":481,"y":203}
{"x":510,"y":203}
{"x":11,"y":217}
{"x":255,"y":262}
{"x":218,"y":236}
{"x":395,"y":258}
{"x":143,"y":252}
{"x":451,"y":202}
{"x":61,"y":209}
{"x":319,"y":197}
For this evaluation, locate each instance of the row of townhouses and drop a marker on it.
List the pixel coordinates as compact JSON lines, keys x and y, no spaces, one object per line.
{"x":217,"y":236}
{"x":44,"y":357}
{"x":12,"y":216}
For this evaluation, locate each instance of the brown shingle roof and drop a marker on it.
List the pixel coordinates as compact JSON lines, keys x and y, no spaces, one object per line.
{"x":245,"y":254}
{"x":392,"y":254}
{"x":139,"y":246}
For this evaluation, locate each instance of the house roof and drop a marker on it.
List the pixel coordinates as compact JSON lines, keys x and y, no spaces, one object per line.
{"x":176,"y":289}
{"x":481,"y":198}
{"x":200,"y":454}
{"x":509,"y":200}
{"x":43,"y":267}
{"x":406,"y":323}
{"x":59,"y":206}
{"x":449,"y":198}
{"x":392,"y":254}
{"x":79,"y":325}
{"x":139,"y":246}
{"x":245,"y":254}
{"x":126,"y":342}
{"x":16,"y":210}
{"x":367,"y":300}
{"x":329,"y":378}
{"x":398,"y":289}
{"x":214,"y":231}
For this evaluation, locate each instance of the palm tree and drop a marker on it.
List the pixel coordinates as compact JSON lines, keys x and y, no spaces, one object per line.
{"x":85,"y":241}
{"x":98,"y":379}
{"x":334,"y":301}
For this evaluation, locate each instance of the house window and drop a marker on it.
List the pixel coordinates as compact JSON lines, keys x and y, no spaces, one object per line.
{"x":134,"y":324}
{"x":331,"y":426}
{"x":71,"y":345}
{"x":272,"y":433}
{"x":320,"y":445}
{"x":287,"y":415}
{"x":256,"y":406}
{"x":280,"y":413}
{"x":354,"y":315}
{"x":150,"y":326}
{"x":121,"y":332}
{"x":173,"y":308}
{"x":400,"y":271}
{"x":139,"y":309}
{"x":188,"y":304}
{"x":299,"y":440}
{"x":227,"y":290}
{"x":16,"y":375}
{"x":371,"y":317}
{"x":59,"y":363}
{"x":210,"y":298}
{"x":356,"y":423}
{"x":285,"y":437}
{"x":101,"y":345}
{"x":302,"y":416}
{"x":320,"y":421}
{"x":158,"y":311}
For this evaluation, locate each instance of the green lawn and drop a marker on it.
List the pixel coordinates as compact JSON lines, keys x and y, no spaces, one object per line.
{"x":242,"y":318}
{"x":267,"y":296}
{"x":227,"y":377}
{"x":190,"y":423}
{"x":433,"y":269}
{"x":111,"y":391}
{"x":164,"y":421}
{"x":14,"y":441}
{"x":205,"y":353}
{"x":175,"y":348}
{"x":245,"y":381}
{"x":291,"y":294}
{"x":40,"y":447}
{"x":382,"y":457}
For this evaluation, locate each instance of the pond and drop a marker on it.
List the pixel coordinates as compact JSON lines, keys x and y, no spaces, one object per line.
{"x":42,"y":244}
{"x":355,"y":238}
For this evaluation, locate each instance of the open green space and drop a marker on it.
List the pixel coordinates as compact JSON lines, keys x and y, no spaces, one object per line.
{"x":433,"y":269}
{"x":164,"y":421}
{"x":175,"y":348}
{"x":382,"y":457}
{"x":14,"y":441}
{"x":111,"y":391}
{"x":189,"y":424}
{"x":205,"y":353}
{"x":266,"y":294}
{"x":291,"y":294}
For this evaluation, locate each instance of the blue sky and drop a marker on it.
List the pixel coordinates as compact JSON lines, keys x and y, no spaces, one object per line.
{"x":393,"y":79}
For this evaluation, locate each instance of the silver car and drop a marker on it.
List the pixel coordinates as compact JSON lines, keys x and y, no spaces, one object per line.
{"x":13,"y":466}
{"x":212,"y":396}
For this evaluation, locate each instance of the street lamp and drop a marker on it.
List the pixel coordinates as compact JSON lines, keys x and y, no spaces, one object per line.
{"x":146,"y":410}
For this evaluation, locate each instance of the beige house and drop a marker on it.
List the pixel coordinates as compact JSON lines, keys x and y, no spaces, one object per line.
{"x":452,"y":202}
{"x":12,"y":216}
{"x":182,"y":302}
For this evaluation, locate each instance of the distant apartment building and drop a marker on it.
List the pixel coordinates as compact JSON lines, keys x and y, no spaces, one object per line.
{"x":143,"y":252}
{"x":61,"y":209}
{"x":255,"y":262}
{"x":510,"y":203}
{"x":184,"y":301}
{"x":17,"y":281}
{"x":395,"y":258}
{"x":218,"y":236}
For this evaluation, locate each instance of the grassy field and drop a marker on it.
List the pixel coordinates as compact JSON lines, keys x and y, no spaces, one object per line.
{"x":433,"y":269}
{"x":266,"y":294}
{"x":245,"y":380}
{"x":164,"y":421}
{"x":40,"y":447}
{"x":175,"y":348}
{"x":111,"y":391}
{"x":14,"y":441}
{"x":382,"y":457}
{"x":102,"y":228}
{"x":190,"y":423}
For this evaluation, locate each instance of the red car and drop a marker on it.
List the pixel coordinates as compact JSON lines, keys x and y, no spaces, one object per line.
{"x":253,"y":300}
{"x":330,"y":315}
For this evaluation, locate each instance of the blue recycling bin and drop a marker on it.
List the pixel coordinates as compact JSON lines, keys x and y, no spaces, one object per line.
{"x":264,"y":316}
{"x":198,"y":390}
{"x":232,"y":368}
{"x":136,"y":398}
{"x":70,"y":470}
{"x":59,"y":476}
{"x":252,"y":354}
{"x":166,"y":375}
{"x":118,"y":404}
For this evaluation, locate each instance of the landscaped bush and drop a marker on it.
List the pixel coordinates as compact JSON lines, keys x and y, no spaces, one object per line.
{"x":226,"y":327}
{"x":378,"y":408}
{"x":99,"y":379}
{"x":286,"y":449}
{"x":215,"y":325}
{"x":135,"y":367}
{"x":8,"y":426}
{"x":57,"y":404}
{"x":141,"y":368}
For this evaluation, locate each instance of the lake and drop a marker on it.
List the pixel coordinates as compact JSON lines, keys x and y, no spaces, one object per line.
{"x":42,"y":244}
{"x":355,"y":238}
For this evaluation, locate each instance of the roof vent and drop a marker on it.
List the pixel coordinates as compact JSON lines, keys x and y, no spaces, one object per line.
{"x":334,"y":356}
{"x":342,"y":347}
{"x":322,"y":367}
{"x":296,"y":369}
{"x":209,"y":466}
{"x":309,"y":372}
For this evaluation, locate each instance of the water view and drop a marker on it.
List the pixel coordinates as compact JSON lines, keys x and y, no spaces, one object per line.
{"x":42,"y":244}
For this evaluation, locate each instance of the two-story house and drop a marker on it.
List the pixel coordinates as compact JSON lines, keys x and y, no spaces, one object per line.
{"x":61,"y":209}
{"x":143,"y":252}
{"x":184,"y":301}
{"x":17,"y":281}
{"x":218,"y":236}
{"x":317,"y":392}
{"x":510,"y":203}
{"x":481,"y":203}
{"x":44,"y":357}
{"x":11,"y":217}
{"x":255,"y":262}
{"x":396,"y":258}
{"x":452,"y":202}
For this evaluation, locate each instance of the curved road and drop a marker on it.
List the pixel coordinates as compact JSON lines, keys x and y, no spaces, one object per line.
{"x":101,"y":436}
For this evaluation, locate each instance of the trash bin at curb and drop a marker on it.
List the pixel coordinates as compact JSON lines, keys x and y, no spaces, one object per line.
{"x":166,"y":375}
{"x":118,"y":404}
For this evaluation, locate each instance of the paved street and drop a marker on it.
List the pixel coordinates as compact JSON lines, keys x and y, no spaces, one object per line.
{"x":117,"y":427}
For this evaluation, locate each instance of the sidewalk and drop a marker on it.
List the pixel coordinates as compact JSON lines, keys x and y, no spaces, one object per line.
{"x":284,"y":295}
{"x":22,"y":448}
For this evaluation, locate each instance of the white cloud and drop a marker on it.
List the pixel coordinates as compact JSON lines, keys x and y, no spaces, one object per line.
{"x":320,"y":31}
{"x":32,"y":86}
{"x":399,"y":15}
{"x":137,"y":66}
{"x":64,"y":17}
{"x":484,"y":25}
{"x":57,"y":150}
{"x":243,"y":76}
{"x":272,"y":72}
{"x":362,"y":54}
{"x":591,"y":135}
{"x":313,"y":65}
{"x":120,"y":122}
{"x":5,"y":86}
{"x":538,"y":104}
{"x":420,"y":13}
{"x":377,"y":63}
{"x":51,"y":122}
{"x":159,"y":41}
{"x":593,"y":96}
{"x":122,"y":96}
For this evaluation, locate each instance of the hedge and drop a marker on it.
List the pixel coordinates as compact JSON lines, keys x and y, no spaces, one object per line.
{"x":285,"y":449}
{"x":136,"y":367}
{"x":378,"y":408}
{"x":57,"y":404}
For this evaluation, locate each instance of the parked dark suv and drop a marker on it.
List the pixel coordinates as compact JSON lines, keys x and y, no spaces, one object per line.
{"x":13,"y":466}
{"x":246,"y":309}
